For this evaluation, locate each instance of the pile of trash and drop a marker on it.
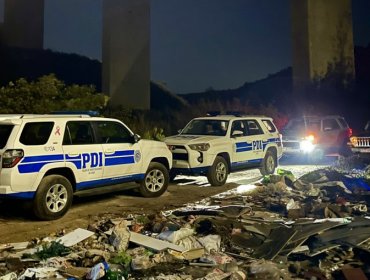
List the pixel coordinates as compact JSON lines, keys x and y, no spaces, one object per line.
{"x":315,"y":227}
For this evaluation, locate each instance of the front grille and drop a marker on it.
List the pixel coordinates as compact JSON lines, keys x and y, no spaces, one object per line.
{"x":177,"y":156}
{"x":294,"y":145}
{"x":363,"y":142}
{"x":290,"y":138}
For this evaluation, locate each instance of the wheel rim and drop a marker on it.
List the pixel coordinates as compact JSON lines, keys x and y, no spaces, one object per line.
{"x":56,"y":198}
{"x":220,"y":172}
{"x":270,"y":164}
{"x":154,"y":180}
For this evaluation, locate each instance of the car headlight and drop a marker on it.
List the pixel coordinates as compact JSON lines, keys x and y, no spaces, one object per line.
{"x":307,"y":146}
{"x":310,"y":138}
{"x":200,"y":147}
{"x":354,"y":140}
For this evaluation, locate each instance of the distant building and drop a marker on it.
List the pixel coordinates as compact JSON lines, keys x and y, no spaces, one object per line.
{"x":126,"y":52}
{"x":321,"y":34}
{"x":24,"y":23}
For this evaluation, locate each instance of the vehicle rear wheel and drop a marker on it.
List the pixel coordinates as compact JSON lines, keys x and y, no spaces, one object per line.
{"x":268,"y":164}
{"x":217,"y":174}
{"x":156,"y":180}
{"x":345,"y":150}
{"x":53,"y":198}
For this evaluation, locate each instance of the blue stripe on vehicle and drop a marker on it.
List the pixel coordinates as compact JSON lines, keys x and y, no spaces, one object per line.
{"x":243,"y":145}
{"x":42,"y":158}
{"x":109,"y":181}
{"x":76,"y":162}
{"x":31,"y":168}
{"x":253,"y":161}
{"x":190,"y":170}
{"x":119,"y":160}
{"x":20,"y":195}
{"x":121,"y":153}
{"x":244,"y":150}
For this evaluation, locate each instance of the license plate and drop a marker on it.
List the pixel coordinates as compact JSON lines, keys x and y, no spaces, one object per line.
{"x":364,"y":150}
{"x":287,"y":148}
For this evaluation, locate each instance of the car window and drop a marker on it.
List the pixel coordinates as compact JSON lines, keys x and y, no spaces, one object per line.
{"x":343,"y":122}
{"x":36,"y":133}
{"x":206,"y":127}
{"x":269,"y":125}
{"x":253,"y":128}
{"x":113,"y":133}
{"x":239,"y":126}
{"x":78,"y":133}
{"x":330,"y":124}
{"x":5,"y":131}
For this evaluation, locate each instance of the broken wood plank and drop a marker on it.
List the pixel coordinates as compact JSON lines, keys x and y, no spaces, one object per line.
{"x":322,"y":249}
{"x":275,"y":242}
{"x":354,"y":273}
{"x":245,"y":241}
{"x":309,"y":230}
{"x":343,"y":233}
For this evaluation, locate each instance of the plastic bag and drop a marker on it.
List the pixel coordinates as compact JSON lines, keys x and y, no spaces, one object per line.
{"x":268,"y":270}
{"x":211,"y":243}
{"x":216,"y":259}
{"x":97,"y":271}
{"x":141,"y":263}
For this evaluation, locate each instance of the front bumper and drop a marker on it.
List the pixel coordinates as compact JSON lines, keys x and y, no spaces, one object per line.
{"x":197,"y":163}
{"x":7,"y":193}
{"x":360,"y":150}
{"x":298,"y":148}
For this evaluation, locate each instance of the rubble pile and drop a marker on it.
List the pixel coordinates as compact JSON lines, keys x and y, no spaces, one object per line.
{"x":315,"y":227}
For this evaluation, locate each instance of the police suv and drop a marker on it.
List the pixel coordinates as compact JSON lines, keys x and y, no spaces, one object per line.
{"x":218,"y":145}
{"x":48,"y":158}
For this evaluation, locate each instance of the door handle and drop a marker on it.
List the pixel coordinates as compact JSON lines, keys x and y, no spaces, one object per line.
{"x":109,"y":152}
{"x":73,"y":154}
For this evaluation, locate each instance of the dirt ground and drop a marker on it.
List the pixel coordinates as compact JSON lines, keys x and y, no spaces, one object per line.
{"x":17,"y":224}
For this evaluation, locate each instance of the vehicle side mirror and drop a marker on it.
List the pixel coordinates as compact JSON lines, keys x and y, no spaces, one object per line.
{"x":327,"y":128}
{"x":136,"y":138}
{"x":237,"y":133}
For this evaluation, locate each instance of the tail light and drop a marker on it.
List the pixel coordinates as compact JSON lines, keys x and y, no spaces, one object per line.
{"x":350,"y":132}
{"x":11,"y":158}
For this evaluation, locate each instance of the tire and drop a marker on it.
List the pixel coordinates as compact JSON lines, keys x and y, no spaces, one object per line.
{"x":345,"y":150}
{"x":268,"y":164}
{"x":156,"y":180}
{"x":217,"y":174}
{"x":57,"y":188}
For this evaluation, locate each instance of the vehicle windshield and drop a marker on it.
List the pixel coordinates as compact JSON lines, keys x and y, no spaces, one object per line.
{"x":5,"y":131}
{"x":301,"y":124}
{"x":206,"y":127}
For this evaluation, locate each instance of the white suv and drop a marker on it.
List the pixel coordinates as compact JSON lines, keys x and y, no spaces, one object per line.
{"x":215,"y":146}
{"x":48,"y":158}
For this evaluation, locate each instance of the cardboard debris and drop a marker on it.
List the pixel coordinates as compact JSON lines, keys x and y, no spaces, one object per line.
{"x":75,"y":237}
{"x":152,"y":243}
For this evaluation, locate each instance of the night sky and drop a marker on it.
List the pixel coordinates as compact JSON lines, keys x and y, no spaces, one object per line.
{"x":196,"y":44}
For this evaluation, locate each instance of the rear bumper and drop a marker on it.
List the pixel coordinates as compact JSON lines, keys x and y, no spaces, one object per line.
{"x":359,"y":150}
{"x":7,"y":193}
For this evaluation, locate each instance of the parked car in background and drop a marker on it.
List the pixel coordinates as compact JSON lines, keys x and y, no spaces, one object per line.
{"x":312,"y":135}
{"x":217,"y":145}
{"x":360,"y":142}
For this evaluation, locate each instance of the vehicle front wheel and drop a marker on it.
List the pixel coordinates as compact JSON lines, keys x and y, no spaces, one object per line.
{"x":217,"y":174}
{"x":268,"y":164}
{"x":53,"y":198}
{"x":156,"y":180}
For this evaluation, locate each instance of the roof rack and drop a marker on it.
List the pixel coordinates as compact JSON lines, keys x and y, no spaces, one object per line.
{"x":222,"y":113}
{"x":90,"y":113}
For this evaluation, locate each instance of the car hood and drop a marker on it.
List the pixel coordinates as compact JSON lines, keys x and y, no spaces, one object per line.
{"x":190,"y":139}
